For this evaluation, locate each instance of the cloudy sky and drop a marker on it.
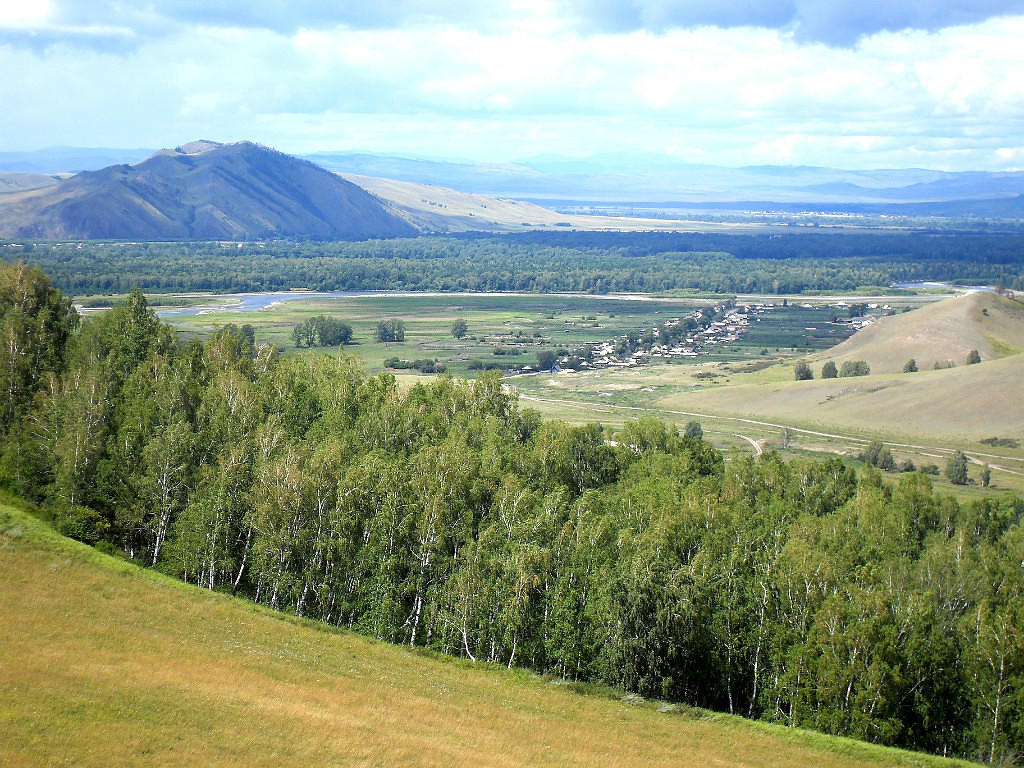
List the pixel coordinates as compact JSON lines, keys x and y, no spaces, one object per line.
{"x":844,"y":83}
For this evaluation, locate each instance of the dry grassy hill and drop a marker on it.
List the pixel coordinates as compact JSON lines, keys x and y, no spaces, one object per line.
{"x":965,"y":403}
{"x":102,"y":664}
{"x":959,"y":404}
{"x":437,"y":209}
{"x":945,"y":330}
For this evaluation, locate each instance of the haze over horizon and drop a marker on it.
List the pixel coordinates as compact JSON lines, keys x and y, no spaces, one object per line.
{"x":841,"y":84}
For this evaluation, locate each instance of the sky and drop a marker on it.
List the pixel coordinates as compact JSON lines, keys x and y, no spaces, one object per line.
{"x":840,"y":83}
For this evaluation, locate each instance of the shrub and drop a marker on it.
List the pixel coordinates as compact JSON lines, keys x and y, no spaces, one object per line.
{"x":802,"y":372}
{"x":829,"y":370}
{"x":973,"y":357}
{"x":910,"y":366}
{"x":854,"y":368}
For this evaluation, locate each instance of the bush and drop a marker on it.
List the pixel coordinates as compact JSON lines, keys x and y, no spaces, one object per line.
{"x":829,"y":370}
{"x":802,"y":372}
{"x":973,"y":357}
{"x":910,"y":366}
{"x":81,"y":523}
{"x":854,"y":368}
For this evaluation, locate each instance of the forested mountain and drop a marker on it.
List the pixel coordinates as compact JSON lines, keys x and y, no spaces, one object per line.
{"x":203,"y":191}
{"x":444,"y":516}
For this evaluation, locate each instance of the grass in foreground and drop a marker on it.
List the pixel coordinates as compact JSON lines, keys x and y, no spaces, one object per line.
{"x":104,"y":664}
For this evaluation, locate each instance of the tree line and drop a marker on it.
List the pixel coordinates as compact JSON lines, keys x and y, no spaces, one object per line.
{"x":808,"y":593}
{"x":540,"y":262}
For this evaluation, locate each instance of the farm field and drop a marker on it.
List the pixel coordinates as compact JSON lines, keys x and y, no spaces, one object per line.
{"x":105,"y":664}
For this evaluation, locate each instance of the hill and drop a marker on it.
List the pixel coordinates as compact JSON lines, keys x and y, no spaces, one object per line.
{"x":944,"y":331}
{"x":103,"y":664}
{"x":962,"y":403}
{"x":203,"y":191}
{"x":440,"y":209}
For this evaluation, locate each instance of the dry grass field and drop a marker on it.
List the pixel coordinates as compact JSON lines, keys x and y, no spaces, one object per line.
{"x":438,"y":209}
{"x":944,"y":331}
{"x":103,"y":664}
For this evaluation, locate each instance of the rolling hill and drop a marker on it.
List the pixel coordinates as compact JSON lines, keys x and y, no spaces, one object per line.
{"x":955,"y":404}
{"x":105,"y":664}
{"x":944,"y":331}
{"x":432,"y":208}
{"x":201,"y":191}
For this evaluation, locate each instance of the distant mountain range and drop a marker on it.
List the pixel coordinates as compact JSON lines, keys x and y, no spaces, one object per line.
{"x":640,"y":176}
{"x":202,"y":191}
{"x":206,"y":190}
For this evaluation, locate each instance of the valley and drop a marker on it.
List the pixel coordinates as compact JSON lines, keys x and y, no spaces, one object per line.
{"x":742,"y":391}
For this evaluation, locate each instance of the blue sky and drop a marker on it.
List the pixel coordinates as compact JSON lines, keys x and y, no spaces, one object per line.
{"x":863,"y":84}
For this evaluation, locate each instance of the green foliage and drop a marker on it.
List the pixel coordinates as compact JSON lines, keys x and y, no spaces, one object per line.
{"x":460,"y":328}
{"x":389,"y":331}
{"x":546,"y":359}
{"x":854,"y":368}
{"x":956,"y":468}
{"x":595,"y":262}
{"x":879,"y":455}
{"x":693,"y":429}
{"x":442,"y":516}
{"x":910,"y":366}
{"x":322,"y":331}
{"x":973,"y":357}
{"x":829,"y":370}
{"x":802,"y":372}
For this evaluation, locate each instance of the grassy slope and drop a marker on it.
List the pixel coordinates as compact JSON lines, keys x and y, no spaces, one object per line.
{"x":946,"y":330}
{"x":962,"y":403}
{"x":949,"y":405}
{"x":102,"y":664}
{"x":438,"y":209}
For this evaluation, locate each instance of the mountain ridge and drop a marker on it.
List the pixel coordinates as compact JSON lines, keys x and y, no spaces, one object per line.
{"x":202,"y":190}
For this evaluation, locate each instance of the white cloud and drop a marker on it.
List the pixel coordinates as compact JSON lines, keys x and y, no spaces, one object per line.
{"x":950,"y":98}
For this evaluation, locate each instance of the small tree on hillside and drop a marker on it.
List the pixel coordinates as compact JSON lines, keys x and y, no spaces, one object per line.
{"x":854,"y":368}
{"x":910,"y":366}
{"x":459,"y":328}
{"x":802,"y":372}
{"x":973,"y":357}
{"x":829,"y":370}
{"x":956,"y":468}
{"x":693,"y":429}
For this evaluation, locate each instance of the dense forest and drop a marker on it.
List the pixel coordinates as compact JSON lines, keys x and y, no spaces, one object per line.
{"x":596,"y":262}
{"x":806,"y":592}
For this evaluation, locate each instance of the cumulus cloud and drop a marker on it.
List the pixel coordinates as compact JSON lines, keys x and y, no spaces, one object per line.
{"x":729,"y":82}
{"x":833,"y":22}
